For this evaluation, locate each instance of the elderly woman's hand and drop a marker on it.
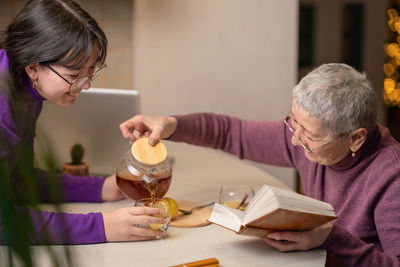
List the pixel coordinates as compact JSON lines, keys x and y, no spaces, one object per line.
{"x":121,"y":224}
{"x":304,"y":240}
{"x":155,"y":128}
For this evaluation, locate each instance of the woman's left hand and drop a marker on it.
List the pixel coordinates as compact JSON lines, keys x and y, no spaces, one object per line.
{"x":303,"y":240}
{"x":110,"y":191}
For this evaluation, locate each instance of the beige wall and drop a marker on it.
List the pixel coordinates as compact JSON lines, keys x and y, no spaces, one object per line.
{"x":230,"y":56}
{"x":227,"y":56}
{"x":115,"y":18}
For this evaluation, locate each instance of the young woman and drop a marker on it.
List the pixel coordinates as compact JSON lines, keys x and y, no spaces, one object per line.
{"x":51,"y":51}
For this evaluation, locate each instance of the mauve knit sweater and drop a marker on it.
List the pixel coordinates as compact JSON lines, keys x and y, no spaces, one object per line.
{"x":364,"y":190}
{"x":16,"y":135}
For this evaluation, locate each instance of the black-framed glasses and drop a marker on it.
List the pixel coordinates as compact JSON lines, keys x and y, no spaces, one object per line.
{"x":305,"y":146}
{"x":77,"y":84}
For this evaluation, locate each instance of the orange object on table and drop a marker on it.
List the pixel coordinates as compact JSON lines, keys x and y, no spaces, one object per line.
{"x":211,"y":262}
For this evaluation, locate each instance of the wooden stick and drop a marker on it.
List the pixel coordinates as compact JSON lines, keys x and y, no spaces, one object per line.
{"x":243,"y":201}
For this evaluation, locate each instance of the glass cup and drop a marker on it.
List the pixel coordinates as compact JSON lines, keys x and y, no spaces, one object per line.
{"x":158,"y":203}
{"x":236,"y":196}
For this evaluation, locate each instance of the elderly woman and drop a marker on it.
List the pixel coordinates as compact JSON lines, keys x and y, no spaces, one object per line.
{"x":342,"y":155}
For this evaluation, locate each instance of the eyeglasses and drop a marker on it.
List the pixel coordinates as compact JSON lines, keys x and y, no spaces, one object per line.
{"x":305,"y":146}
{"x":77,"y":84}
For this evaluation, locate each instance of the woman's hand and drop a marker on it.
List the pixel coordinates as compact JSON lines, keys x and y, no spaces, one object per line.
{"x":120,"y":225}
{"x":304,"y":240}
{"x":155,"y":128}
{"x":110,"y":191}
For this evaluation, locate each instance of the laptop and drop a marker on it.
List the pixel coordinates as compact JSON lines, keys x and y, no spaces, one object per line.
{"x":93,"y":121}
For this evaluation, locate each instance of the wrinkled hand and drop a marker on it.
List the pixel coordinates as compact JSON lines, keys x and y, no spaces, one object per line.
{"x":120,"y":225}
{"x":303,"y":240}
{"x":110,"y":191}
{"x":155,"y":128}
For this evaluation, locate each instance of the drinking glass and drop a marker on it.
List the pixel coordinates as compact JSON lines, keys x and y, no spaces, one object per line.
{"x":236,"y":196}
{"x":158,"y":203}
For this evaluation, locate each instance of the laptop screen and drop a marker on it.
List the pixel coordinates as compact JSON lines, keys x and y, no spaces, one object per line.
{"x":93,"y":121}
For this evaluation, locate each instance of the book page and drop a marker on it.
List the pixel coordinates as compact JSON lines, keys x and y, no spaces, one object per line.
{"x":269,"y":199}
{"x":293,"y":201}
{"x":262,"y":203}
{"x":257,"y":197}
{"x":227,"y":217}
{"x":260,"y":210}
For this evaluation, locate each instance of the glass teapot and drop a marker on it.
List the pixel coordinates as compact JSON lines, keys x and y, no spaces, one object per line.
{"x":144,"y":171}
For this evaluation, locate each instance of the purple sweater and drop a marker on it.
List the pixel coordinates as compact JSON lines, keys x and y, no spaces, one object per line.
{"x":364,"y":191}
{"x":62,"y":227}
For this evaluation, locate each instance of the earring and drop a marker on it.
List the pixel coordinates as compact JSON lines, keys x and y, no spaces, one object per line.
{"x":34,"y":84}
{"x":353,"y":154}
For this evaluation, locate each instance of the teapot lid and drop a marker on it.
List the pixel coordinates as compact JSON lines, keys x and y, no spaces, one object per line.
{"x":143,"y":152}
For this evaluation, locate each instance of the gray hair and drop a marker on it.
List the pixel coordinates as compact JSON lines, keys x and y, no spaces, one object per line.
{"x":338,"y":95}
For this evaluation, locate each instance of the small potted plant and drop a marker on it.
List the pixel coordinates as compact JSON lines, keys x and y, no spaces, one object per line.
{"x":76,"y":167}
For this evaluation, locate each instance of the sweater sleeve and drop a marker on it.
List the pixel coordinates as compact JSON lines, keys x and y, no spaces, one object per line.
{"x":51,"y":187}
{"x":65,"y":228}
{"x":82,"y":189}
{"x":353,"y":251}
{"x":62,"y":228}
{"x":73,"y":188}
{"x":349,"y":250}
{"x":387,"y":221}
{"x":264,"y":142}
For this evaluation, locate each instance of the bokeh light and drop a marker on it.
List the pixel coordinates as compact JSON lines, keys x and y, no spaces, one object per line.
{"x":391,"y":84}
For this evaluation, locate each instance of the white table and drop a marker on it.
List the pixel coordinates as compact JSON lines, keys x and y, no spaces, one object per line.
{"x":198,"y":174}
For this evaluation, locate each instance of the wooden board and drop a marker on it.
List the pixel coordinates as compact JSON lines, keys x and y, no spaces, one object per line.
{"x":198,"y":218}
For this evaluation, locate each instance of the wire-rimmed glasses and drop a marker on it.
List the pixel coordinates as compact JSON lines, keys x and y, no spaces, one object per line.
{"x":77,"y":84}
{"x":305,"y":146}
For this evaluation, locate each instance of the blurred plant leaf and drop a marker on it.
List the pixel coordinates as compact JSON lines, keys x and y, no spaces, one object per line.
{"x":19,"y":188}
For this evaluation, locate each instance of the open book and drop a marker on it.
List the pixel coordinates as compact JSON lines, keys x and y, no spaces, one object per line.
{"x":274,"y":209}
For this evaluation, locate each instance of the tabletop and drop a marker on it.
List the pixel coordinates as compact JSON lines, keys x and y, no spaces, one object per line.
{"x":198,"y":174}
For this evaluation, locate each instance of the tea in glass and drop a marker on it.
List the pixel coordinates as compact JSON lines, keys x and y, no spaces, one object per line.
{"x":162,"y":204}
{"x":236,"y":196}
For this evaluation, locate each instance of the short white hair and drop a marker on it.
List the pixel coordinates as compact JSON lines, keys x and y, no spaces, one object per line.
{"x":338,"y":95}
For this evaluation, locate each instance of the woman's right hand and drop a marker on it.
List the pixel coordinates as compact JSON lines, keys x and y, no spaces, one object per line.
{"x":155,"y":128}
{"x":120,"y":225}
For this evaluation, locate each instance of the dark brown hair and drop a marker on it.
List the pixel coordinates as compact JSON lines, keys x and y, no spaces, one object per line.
{"x":55,"y":32}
